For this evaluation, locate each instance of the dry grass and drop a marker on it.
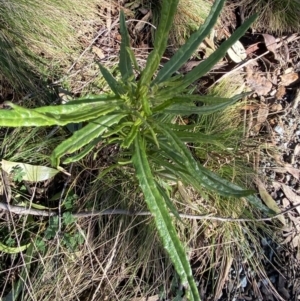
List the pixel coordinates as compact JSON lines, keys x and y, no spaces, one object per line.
{"x":40,"y":41}
{"x":274,"y":15}
{"x":189,"y":17}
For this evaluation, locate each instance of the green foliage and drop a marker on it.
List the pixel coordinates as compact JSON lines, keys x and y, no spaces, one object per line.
{"x":18,"y":174}
{"x":52,"y":228}
{"x":69,"y":201}
{"x":70,"y":239}
{"x":140,"y":115}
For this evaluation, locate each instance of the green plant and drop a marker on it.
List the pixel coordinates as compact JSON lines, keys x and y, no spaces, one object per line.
{"x":140,"y":115}
{"x":18,"y":174}
{"x":69,"y":239}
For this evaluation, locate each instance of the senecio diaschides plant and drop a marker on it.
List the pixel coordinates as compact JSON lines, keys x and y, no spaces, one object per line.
{"x":139,"y":115}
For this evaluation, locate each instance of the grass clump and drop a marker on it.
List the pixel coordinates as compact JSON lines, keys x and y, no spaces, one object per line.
{"x":38,"y":40}
{"x":189,"y":16}
{"x":275,"y":15}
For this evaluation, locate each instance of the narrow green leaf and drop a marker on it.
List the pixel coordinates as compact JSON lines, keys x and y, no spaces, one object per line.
{"x":87,"y":149}
{"x":107,"y":170}
{"x":209,"y":63}
{"x":185,"y":109}
{"x":86,"y":113}
{"x":206,"y":99}
{"x":186,"y":136}
{"x":113,"y":84}
{"x":133,"y":59}
{"x":163,"y":220}
{"x":118,"y":129}
{"x":131,"y":136}
{"x":205,"y":177}
{"x":54,"y":115}
{"x":257,"y":203}
{"x":19,"y":116}
{"x":169,"y":203}
{"x":168,"y":11}
{"x":190,"y":99}
{"x":84,"y":136}
{"x":19,"y":286}
{"x":125,"y":61}
{"x":91,"y":98}
{"x":12,"y":250}
{"x":191,"y":45}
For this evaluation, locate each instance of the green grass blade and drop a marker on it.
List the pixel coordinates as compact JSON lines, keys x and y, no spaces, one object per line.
{"x":187,"y":50}
{"x":84,"y":136}
{"x":209,"y":63}
{"x":168,"y":11}
{"x":113,"y":84}
{"x":125,"y":61}
{"x":163,"y":220}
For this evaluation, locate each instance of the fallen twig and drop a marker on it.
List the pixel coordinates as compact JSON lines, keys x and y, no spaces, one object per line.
{"x":38,"y":212}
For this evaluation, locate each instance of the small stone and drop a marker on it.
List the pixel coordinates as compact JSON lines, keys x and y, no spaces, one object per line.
{"x":279,"y":130}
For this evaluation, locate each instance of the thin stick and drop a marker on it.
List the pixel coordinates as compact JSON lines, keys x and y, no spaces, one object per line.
{"x":37,"y":212}
{"x":240,"y":67}
{"x":101,"y":32}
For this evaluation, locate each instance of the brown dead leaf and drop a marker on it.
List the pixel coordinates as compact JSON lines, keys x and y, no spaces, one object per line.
{"x":262,"y":114}
{"x":290,"y":78}
{"x":285,"y":203}
{"x":141,"y":24}
{"x":292,"y":196}
{"x":268,"y":200}
{"x":295,"y":241}
{"x":98,"y":52}
{"x":252,"y":48}
{"x":258,"y":83}
{"x":249,"y":107}
{"x":280,"y":92}
{"x":276,"y":107}
{"x":297,"y":149}
{"x":276,"y":185}
{"x":271,"y":44}
{"x":292,"y":170}
{"x":226,"y":265}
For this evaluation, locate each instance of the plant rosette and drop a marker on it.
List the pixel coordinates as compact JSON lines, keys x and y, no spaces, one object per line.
{"x":140,"y":116}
